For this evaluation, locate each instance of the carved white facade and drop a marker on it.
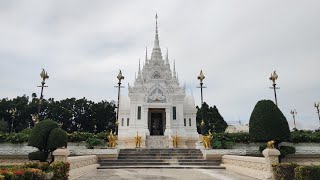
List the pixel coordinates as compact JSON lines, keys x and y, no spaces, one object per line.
{"x":156,"y":104}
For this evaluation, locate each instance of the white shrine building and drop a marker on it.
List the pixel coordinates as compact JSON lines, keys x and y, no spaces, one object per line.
{"x":157,"y":107}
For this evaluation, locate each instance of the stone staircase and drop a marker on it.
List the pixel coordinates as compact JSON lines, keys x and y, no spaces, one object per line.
{"x":160,"y":158}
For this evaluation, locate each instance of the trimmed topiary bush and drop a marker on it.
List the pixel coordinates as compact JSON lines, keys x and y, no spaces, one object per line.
{"x":40,"y":134}
{"x":47,"y":137}
{"x":38,"y":155}
{"x":268,"y":123}
{"x":57,"y":138}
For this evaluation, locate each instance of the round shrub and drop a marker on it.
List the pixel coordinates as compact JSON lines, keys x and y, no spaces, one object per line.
{"x":91,"y":142}
{"x":40,"y":134}
{"x":38,"y":155}
{"x":268,"y":123}
{"x":57,"y":138}
{"x":285,"y":150}
{"x":284,"y":171}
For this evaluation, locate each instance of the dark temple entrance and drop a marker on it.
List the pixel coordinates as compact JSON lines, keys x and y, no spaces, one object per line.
{"x":157,"y":121}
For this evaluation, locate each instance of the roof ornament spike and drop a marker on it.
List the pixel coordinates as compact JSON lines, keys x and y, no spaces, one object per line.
{"x":146,"y":60}
{"x":156,"y":51}
{"x":139,"y":71}
{"x":139,"y":65}
{"x":174,"y":74}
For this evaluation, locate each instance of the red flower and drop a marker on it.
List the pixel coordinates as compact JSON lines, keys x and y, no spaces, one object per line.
{"x":18,"y":172}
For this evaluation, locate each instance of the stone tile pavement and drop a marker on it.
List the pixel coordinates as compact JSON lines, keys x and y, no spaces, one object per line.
{"x":163,"y":174}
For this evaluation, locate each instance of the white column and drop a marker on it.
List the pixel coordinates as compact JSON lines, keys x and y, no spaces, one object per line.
{"x":168,"y":130}
{"x":144,"y":116}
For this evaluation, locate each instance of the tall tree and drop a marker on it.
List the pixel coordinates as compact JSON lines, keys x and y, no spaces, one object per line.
{"x":74,"y":114}
{"x":212,"y":119}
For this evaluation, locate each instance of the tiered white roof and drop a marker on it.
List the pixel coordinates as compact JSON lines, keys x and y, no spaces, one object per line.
{"x":156,"y":71}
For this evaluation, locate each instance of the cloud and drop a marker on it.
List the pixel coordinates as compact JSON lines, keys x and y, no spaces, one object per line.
{"x":83,"y":44}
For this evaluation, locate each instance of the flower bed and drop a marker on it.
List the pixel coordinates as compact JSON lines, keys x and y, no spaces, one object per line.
{"x":35,"y":171}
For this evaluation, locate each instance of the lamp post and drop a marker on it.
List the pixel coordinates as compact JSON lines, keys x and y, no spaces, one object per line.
{"x":201,"y":77}
{"x":273,"y":78}
{"x":294,"y":113}
{"x":316,"y":105}
{"x":119,"y":77}
{"x":44,"y":76}
{"x":13,"y":112}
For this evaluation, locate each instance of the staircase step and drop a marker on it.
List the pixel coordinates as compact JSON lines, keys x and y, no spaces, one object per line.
{"x":161,"y":157}
{"x":160,"y":160}
{"x":161,"y":167}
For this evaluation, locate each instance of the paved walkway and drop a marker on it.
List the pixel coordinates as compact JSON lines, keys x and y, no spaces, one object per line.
{"x":163,"y":174}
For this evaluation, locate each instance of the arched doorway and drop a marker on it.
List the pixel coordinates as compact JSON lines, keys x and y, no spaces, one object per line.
{"x":157,"y":121}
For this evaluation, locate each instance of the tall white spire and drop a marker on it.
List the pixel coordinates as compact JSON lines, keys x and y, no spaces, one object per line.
{"x":156,"y":40}
{"x":156,"y":51}
{"x":167,"y":57}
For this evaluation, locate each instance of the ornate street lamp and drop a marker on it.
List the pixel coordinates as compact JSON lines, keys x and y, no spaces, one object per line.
{"x":294,"y":113}
{"x":273,"y":78}
{"x":13,"y":112}
{"x":316,"y":105}
{"x":201,"y":77}
{"x":44,"y":76}
{"x":119,"y":77}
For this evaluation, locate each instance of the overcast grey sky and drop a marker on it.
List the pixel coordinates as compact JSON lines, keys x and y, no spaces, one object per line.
{"x":83,"y":44}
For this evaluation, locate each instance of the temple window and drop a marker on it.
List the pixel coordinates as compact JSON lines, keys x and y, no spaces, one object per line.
{"x":139,"y":112}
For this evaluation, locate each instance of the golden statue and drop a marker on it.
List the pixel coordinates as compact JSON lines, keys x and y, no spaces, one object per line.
{"x":206,"y":140}
{"x":112,"y":140}
{"x":270,"y":144}
{"x":138,"y":140}
{"x":175,"y":141}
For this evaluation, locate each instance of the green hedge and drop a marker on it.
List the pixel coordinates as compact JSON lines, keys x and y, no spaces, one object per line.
{"x":290,"y":171}
{"x":23,"y":137}
{"x":284,"y":171}
{"x":296,"y":137}
{"x":307,"y":173}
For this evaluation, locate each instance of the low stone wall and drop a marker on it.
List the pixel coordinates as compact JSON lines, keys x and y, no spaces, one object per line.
{"x":303,"y":159}
{"x":257,"y":167}
{"x":79,"y":165}
{"x":218,"y":153}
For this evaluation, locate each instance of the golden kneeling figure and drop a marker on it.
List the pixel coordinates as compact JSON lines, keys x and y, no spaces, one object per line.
{"x":206,"y":140}
{"x":175,"y":141}
{"x":112,"y":140}
{"x":138,"y":140}
{"x":270,"y":144}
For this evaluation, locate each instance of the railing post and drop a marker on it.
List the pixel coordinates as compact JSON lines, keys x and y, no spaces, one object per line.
{"x":61,"y":155}
{"x":272,"y":157}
